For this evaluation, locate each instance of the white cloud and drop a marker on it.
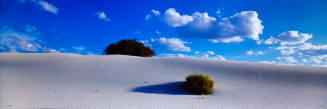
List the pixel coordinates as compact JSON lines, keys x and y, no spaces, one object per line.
{"x":286,"y":60}
{"x":173,"y":55}
{"x":102,"y":16}
{"x":307,"y":53}
{"x":173,"y":44}
{"x":218,"y":12}
{"x":137,"y":32}
{"x":289,"y":38}
{"x":227,"y":40}
{"x":249,"y":52}
{"x":31,"y":29}
{"x":235,"y":28}
{"x":269,"y":62}
{"x":304,"y":60}
{"x":203,"y":55}
{"x":21,"y":41}
{"x":245,"y":24}
{"x":175,"y":19}
{"x":79,"y":48}
{"x":303,"y":49}
{"x":294,"y":44}
{"x":157,"y":32}
{"x":254,"y":52}
{"x":313,"y":50}
{"x":260,"y":52}
{"x":50,"y":50}
{"x":47,"y":7}
{"x":27,"y":41}
{"x":146,"y":42}
{"x":219,"y":57}
{"x":211,"y":52}
{"x":44,"y":5}
{"x":207,"y":54}
{"x":202,"y":21}
{"x":155,"y":12}
{"x":147,"y":17}
{"x":319,"y":60}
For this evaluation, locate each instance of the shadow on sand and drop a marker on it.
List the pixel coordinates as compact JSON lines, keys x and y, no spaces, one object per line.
{"x":171,"y":88}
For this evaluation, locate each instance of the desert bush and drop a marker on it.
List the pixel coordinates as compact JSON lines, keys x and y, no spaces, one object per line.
{"x":129,"y":47}
{"x":199,"y":84}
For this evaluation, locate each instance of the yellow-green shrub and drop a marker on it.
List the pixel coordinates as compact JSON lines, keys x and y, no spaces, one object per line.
{"x":199,"y":84}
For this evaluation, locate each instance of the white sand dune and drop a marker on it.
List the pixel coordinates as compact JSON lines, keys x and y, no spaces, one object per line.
{"x":128,"y":82}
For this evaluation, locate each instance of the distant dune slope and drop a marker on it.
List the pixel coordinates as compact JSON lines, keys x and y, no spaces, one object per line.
{"x":128,"y":82}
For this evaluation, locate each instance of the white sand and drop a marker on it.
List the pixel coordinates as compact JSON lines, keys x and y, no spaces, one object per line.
{"x":127,"y":82}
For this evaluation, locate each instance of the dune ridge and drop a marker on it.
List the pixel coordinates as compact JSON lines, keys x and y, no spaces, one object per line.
{"x":128,"y":82}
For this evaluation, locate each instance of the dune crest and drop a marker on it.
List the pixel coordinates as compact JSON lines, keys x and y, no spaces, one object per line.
{"x":129,"y":82}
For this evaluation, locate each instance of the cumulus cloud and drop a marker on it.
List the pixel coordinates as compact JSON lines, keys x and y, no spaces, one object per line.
{"x":245,"y":24}
{"x":175,"y":19}
{"x":207,"y":54}
{"x":289,"y":38}
{"x":308,"y":53}
{"x":303,"y":49}
{"x":148,"y":16}
{"x":313,"y":50}
{"x":47,"y":7}
{"x":21,"y":41}
{"x":235,"y":28}
{"x":315,"y":54}
{"x":294,"y":45}
{"x":297,"y":46}
{"x":155,"y":12}
{"x":102,"y":16}
{"x":320,"y":60}
{"x":254,"y":52}
{"x":173,"y":44}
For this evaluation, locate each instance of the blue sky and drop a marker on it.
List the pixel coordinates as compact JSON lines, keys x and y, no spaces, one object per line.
{"x":270,"y":31}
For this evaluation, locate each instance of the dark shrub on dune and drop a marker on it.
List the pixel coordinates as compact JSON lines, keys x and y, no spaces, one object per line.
{"x":199,"y":84}
{"x":129,"y":47}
